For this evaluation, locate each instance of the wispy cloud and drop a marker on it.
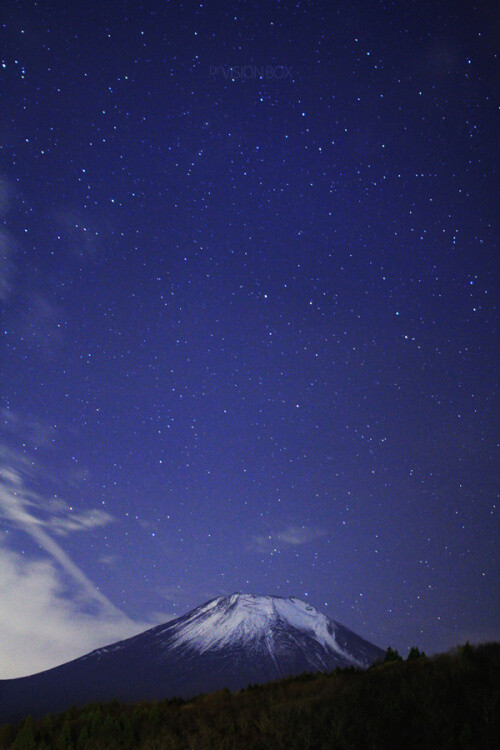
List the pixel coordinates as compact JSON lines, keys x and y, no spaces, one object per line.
{"x":109,"y":559}
{"x":90,"y":519}
{"x":293,"y":536}
{"x":169,"y":593}
{"x":161,"y":617}
{"x":7,"y":247}
{"x":40,"y":323}
{"x":16,"y":505}
{"x":5,"y":195}
{"x":50,"y":610}
{"x":29,"y":429}
{"x":82,"y":234}
{"x":44,"y":623}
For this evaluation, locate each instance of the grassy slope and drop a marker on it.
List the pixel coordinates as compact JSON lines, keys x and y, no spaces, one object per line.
{"x":448,"y":701}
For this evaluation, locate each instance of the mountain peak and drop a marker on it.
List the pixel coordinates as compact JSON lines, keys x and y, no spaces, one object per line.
{"x":247,"y":619}
{"x":230,"y":641}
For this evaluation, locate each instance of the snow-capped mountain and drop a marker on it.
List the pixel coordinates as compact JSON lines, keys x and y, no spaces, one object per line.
{"x":229,"y":642}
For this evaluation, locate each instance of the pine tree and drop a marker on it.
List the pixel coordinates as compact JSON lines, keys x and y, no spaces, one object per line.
{"x":466,"y":650}
{"x":95,"y":722}
{"x":83,"y":737}
{"x":65,"y":739}
{"x":415,"y":653}
{"x":154,"y":715}
{"x":7,"y":735}
{"x":25,"y":739}
{"x":392,"y":655}
{"x":48,"y":728}
{"x":127,"y":731}
{"x":108,"y":727}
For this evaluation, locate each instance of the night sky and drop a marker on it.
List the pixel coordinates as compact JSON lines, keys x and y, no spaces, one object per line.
{"x":247,"y":291}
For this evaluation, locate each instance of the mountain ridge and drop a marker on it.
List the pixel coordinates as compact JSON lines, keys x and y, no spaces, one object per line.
{"x":230,"y":641}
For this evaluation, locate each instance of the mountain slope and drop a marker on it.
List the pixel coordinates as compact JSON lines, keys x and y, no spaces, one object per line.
{"x":446,"y":701}
{"x":228,"y":642}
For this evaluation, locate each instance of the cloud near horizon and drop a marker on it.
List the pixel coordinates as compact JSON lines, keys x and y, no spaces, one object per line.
{"x":50,"y":611}
{"x":44,"y":622}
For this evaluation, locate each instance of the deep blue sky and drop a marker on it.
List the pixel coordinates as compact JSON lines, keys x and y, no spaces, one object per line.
{"x":248,"y":324}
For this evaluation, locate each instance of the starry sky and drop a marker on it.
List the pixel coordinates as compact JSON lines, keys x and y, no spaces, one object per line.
{"x":247,"y":292}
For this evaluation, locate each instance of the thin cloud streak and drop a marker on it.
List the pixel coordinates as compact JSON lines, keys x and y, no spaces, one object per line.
{"x":293,"y":536}
{"x":43,"y":624}
{"x":14,"y":508}
{"x":50,"y":611}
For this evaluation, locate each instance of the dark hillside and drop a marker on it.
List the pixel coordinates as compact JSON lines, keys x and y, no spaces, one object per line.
{"x":447,"y":701}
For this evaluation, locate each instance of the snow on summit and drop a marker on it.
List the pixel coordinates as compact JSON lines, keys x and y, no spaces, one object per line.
{"x":244,"y":618}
